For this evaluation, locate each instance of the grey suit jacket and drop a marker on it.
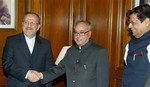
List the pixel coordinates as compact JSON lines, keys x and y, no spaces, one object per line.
{"x":147,"y":81}
{"x":17,"y":60}
{"x":85,"y":67}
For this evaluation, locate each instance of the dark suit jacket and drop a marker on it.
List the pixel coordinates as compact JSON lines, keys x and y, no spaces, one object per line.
{"x":85,"y":67}
{"x":17,"y":60}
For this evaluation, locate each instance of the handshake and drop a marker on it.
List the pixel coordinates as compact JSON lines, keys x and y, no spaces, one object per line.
{"x":34,"y":76}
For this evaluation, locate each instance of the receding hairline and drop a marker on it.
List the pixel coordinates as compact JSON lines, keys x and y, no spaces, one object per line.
{"x":32,"y":13}
{"x":88,"y":24}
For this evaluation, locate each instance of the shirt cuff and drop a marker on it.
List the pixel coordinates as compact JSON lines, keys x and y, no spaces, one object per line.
{"x":41,"y":75}
{"x":27,"y":74}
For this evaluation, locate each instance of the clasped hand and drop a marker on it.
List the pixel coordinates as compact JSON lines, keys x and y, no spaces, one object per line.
{"x":34,"y":76}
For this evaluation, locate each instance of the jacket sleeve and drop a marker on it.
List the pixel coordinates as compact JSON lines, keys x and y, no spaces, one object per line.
{"x":102,"y":69}
{"x":53,"y":73}
{"x":49,"y":63}
{"x":10,"y":67}
{"x":147,"y":79}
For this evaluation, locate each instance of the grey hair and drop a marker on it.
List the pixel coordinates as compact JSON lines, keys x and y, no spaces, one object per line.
{"x":88,"y":24}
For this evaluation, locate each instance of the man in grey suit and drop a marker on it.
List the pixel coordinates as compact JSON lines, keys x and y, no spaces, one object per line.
{"x":85,"y":64}
{"x":26,"y":52}
{"x":147,"y":80}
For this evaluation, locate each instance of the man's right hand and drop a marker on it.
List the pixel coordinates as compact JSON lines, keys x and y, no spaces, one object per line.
{"x":34,"y":76}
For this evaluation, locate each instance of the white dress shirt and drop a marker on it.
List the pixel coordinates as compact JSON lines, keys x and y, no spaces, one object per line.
{"x":30,"y":43}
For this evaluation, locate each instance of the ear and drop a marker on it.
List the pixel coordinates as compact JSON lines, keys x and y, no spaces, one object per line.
{"x":147,"y":21}
{"x":39,"y":27}
{"x":90,"y":32}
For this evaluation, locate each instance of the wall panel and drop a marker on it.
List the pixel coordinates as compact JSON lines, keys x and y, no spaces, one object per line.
{"x":55,"y":27}
{"x":58,"y":17}
{"x":55,"y":19}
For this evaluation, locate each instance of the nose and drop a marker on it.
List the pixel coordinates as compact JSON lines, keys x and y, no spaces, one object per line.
{"x":130,"y":25}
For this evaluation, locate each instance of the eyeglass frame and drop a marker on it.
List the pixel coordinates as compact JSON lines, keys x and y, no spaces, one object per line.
{"x":31,"y":23}
{"x":80,"y":33}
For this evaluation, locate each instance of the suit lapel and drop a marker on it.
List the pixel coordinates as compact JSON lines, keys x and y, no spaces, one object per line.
{"x":37,"y":48}
{"x":23,"y":48}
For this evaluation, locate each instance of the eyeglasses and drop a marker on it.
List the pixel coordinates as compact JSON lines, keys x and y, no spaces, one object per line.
{"x":80,"y":33}
{"x":31,"y":23}
{"x":135,"y":22}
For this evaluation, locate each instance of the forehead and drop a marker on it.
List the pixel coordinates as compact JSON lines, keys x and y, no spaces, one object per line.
{"x":30,"y":17}
{"x":133,"y":17}
{"x":81,"y":26}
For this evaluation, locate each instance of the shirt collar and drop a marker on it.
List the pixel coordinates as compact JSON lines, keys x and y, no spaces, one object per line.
{"x":31,"y":39}
{"x":85,"y":46}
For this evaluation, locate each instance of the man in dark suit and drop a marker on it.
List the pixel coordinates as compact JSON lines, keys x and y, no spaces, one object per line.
{"x":137,"y":50}
{"x":85,"y":64}
{"x":26,"y":52}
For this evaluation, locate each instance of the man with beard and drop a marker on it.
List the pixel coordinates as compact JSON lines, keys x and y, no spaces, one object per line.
{"x":26,"y":52}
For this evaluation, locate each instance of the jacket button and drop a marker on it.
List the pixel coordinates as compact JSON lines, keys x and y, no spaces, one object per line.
{"x":79,"y":51}
{"x":74,"y":81}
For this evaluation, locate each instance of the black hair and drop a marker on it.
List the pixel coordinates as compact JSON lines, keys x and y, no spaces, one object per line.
{"x":142,"y":11}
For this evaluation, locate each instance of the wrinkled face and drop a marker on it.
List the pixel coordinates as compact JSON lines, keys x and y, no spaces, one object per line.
{"x":30,"y":25}
{"x":137,"y":27}
{"x":81,"y":34}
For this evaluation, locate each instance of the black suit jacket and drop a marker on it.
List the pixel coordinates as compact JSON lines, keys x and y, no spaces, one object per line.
{"x":17,"y":60}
